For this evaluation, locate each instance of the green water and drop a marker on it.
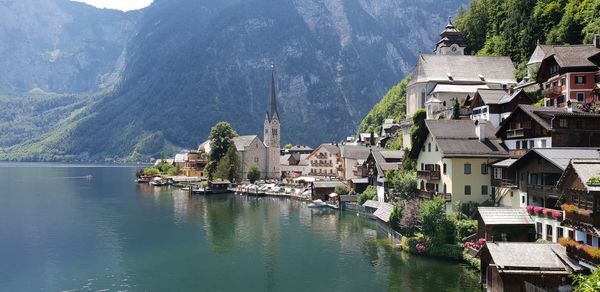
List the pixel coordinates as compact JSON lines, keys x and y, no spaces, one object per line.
{"x":61,"y":232}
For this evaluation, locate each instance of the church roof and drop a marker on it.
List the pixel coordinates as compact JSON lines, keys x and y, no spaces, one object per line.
{"x":458,"y":69}
{"x":243,"y":141}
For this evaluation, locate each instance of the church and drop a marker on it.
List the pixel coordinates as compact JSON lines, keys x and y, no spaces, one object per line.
{"x":449,"y":75}
{"x":252,"y":151}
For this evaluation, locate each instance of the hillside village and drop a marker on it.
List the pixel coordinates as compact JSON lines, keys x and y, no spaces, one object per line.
{"x":523,"y":157}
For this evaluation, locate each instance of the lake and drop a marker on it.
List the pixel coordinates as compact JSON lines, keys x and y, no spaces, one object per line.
{"x":60,"y":231}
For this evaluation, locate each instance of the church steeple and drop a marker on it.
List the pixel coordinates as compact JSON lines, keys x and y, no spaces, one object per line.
{"x":274,"y":112}
{"x":451,"y":41}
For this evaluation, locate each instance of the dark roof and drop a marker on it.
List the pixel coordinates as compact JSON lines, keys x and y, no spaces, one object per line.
{"x":585,"y":169}
{"x":392,"y":154}
{"x":457,"y":138}
{"x":463,"y":69}
{"x":358,"y":152}
{"x":561,"y":156}
{"x":527,"y":257}
{"x":381,"y":164}
{"x":504,"y":216}
{"x":572,"y":55}
{"x":543,"y":114}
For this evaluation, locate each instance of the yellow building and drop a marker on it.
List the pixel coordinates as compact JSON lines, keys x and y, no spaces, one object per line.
{"x":453,"y":160}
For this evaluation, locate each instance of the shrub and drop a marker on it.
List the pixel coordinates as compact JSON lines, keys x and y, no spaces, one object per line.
{"x":395,"y":217}
{"x":369,"y":194}
{"x":436,"y":225}
{"x":253,"y":173}
{"x":465,"y":228}
{"x":568,"y":208}
{"x":341,"y":190}
{"x":587,"y":283}
{"x":152,"y":171}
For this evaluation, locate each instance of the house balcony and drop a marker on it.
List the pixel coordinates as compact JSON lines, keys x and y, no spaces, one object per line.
{"x":552,"y":92}
{"x":517,"y":153}
{"x":428,"y":174}
{"x":322,"y":156}
{"x":583,"y":216}
{"x":518,"y":133}
{"x":324,"y":164}
{"x":426,"y":194}
{"x":543,"y":191}
{"x":447,"y":197}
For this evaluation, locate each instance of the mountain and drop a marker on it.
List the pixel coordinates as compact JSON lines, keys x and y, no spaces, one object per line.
{"x":61,"y":46}
{"x":193,"y":63}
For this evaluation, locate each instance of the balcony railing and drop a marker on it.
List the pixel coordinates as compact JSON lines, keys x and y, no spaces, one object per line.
{"x":517,"y":153}
{"x":543,"y":190}
{"x":426,"y":194}
{"x":447,"y":197}
{"x":552,"y":92}
{"x":428,"y":174}
{"x":518,"y":133}
{"x":583,"y":216}
{"x":322,"y":164}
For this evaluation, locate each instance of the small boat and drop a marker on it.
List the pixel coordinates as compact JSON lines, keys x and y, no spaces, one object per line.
{"x":157,"y":181}
{"x":187,"y":188}
{"x":143,"y":179}
{"x":318,"y":204}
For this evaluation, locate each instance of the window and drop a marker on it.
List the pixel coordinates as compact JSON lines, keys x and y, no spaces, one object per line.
{"x":428,"y":147}
{"x":597,"y":79}
{"x":563,"y":123}
{"x":484,"y":190}
{"x":436,"y":148}
{"x":560,"y":99}
{"x":484,"y":168}
{"x":437,"y":188}
{"x":554,"y":84}
{"x":531,"y":144}
{"x":523,"y":200}
{"x":538,"y":228}
{"x":274,"y":131}
{"x":467,"y":168}
{"x":467,"y":190}
{"x":518,"y":145}
{"x":580,"y":96}
{"x":444,"y":167}
{"x":543,"y":143}
{"x":563,"y":81}
{"x":422,"y":166}
{"x":497,"y":173}
{"x":549,"y":229}
{"x":579,"y":79}
{"x":445,"y":189}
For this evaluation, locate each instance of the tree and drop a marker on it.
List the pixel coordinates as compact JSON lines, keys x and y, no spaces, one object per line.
{"x":228,"y":167}
{"x":152,"y":171}
{"x":409,"y":223}
{"x":587,"y":283}
{"x":395,"y":218}
{"x":341,"y":190}
{"x":221,"y":138}
{"x":436,"y":225}
{"x":456,"y":110}
{"x":395,"y":143}
{"x":288,"y":146}
{"x":418,"y":119}
{"x":404,"y":184}
{"x":368,"y":194}
{"x":391,"y":106}
{"x":253,"y":173}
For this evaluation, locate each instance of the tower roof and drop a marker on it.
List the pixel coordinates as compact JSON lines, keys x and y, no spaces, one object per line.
{"x":449,"y":36}
{"x":273,"y":112}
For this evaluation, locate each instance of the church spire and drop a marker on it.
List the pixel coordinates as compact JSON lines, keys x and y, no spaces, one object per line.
{"x":274,"y":112}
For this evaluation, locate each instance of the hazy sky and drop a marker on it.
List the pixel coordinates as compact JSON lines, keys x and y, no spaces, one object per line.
{"x":124,"y":5}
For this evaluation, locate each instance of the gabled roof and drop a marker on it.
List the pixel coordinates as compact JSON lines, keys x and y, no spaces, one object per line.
{"x":463,"y":69}
{"x":357,"y":152}
{"x":392,"y":154}
{"x":243,"y":141}
{"x":457,"y":138}
{"x":585,"y":169}
{"x":560,"y":156}
{"x":383,"y":212}
{"x":542,"y":115}
{"x":527,"y":257}
{"x":504,"y":216}
{"x":499,"y":96}
{"x":573,"y":55}
{"x":505,"y":163}
{"x":381,"y":164}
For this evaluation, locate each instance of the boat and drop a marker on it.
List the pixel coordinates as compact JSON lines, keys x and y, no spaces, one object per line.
{"x":318,"y":204}
{"x":143,"y":179}
{"x":157,"y":181}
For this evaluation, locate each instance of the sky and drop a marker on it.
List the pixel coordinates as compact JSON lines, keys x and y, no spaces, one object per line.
{"x":124,"y":5}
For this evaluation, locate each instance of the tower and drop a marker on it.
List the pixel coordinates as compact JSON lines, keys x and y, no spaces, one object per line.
{"x":451,"y":41}
{"x":272,"y":127}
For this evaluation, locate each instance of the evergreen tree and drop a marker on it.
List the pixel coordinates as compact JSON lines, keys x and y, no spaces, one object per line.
{"x":456,"y":110}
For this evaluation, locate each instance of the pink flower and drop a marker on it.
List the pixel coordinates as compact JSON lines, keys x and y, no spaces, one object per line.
{"x":556,"y":214}
{"x":421,"y":248}
{"x":481,"y":241}
{"x":529,"y":209}
{"x":537,"y":210}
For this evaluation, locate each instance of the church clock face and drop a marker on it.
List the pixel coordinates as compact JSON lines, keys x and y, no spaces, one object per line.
{"x":453,"y":49}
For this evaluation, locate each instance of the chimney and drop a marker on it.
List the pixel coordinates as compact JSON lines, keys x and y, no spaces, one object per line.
{"x":597,"y":41}
{"x":480,"y":126}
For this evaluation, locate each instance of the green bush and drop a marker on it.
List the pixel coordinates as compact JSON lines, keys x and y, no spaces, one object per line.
{"x":152,"y":171}
{"x":341,"y":190}
{"x":253,"y":173}
{"x":395,"y":217}
{"x":436,"y":225}
{"x":369,"y":194}
{"x":409,"y":243}
{"x":465,"y":228}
